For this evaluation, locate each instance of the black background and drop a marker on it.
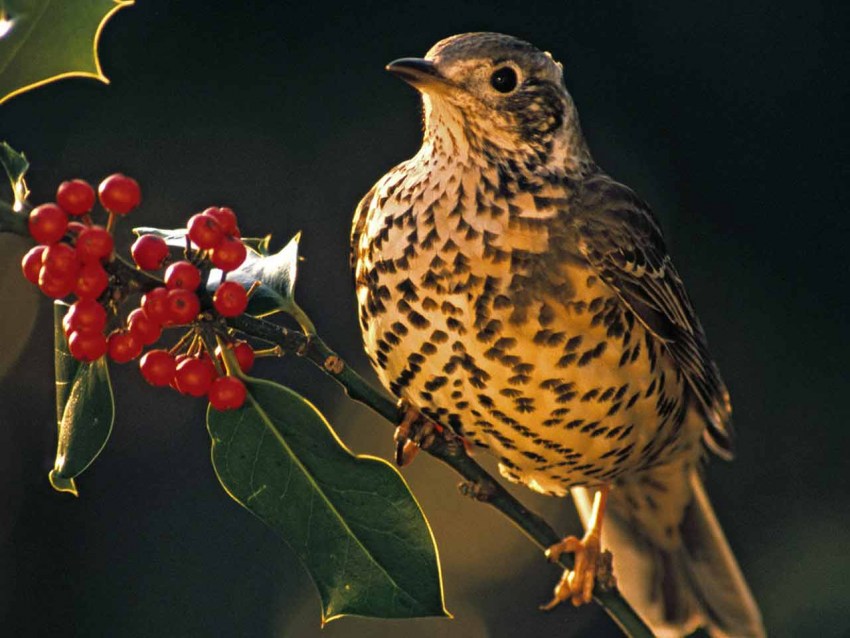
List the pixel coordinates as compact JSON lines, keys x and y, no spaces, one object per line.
{"x":730,"y":118}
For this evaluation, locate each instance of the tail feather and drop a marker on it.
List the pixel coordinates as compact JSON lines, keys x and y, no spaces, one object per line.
{"x":727,"y":600}
{"x":683,"y":582}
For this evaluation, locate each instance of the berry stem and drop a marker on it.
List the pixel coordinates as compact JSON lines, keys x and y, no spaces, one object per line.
{"x":277,"y":351}
{"x":210,"y":339}
{"x":110,"y":222}
{"x":175,"y":349}
{"x":253,"y":288}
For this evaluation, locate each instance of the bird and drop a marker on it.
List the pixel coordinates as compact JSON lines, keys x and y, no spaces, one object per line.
{"x":512,"y":291}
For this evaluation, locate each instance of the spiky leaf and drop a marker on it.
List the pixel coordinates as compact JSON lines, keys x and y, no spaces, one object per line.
{"x":46,"y":40}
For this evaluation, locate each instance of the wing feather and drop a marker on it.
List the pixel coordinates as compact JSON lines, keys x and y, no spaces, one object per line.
{"x":620,"y":238}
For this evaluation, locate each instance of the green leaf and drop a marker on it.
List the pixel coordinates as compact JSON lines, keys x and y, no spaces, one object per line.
{"x":85,"y":410}
{"x":43,"y":41}
{"x":350,"y":519}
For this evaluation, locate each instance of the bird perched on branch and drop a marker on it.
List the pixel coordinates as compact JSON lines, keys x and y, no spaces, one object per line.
{"x":511,"y":290}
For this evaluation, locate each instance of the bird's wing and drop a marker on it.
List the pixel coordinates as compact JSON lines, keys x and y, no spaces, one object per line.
{"x":621,"y":240}
{"x":359,"y":223}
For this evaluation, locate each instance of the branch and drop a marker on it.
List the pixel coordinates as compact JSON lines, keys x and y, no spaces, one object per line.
{"x":449,"y":448}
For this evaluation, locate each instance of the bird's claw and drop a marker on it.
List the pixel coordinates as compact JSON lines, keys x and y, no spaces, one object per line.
{"x":414,"y":432}
{"x":591,"y":566}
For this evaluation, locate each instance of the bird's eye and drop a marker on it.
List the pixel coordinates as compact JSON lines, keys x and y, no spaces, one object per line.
{"x":503,"y":79}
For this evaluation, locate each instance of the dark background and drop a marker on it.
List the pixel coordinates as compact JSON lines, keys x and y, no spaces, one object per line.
{"x":730,"y":118}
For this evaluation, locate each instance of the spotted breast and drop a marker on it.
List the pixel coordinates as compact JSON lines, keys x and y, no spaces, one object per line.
{"x":477,"y":307}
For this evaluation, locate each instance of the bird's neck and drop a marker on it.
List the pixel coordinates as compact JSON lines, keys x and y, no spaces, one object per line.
{"x":451,"y":136}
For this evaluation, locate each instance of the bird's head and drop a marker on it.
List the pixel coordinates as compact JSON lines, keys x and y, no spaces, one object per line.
{"x":500,"y":94}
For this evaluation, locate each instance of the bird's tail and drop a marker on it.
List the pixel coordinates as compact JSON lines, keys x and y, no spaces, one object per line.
{"x":678,"y":578}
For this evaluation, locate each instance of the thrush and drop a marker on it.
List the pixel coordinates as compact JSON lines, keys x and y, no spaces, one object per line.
{"x":511,"y":290}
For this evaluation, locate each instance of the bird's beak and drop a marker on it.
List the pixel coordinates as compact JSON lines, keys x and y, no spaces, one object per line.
{"x":420,"y":74}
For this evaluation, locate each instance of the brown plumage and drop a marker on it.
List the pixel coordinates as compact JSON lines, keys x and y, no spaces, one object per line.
{"x":513,"y":291}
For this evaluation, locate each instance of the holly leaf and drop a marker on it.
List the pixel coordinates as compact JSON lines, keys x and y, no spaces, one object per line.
{"x":43,"y":41}
{"x":277,"y":274}
{"x":351,"y":520}
{"x":85,"y":410}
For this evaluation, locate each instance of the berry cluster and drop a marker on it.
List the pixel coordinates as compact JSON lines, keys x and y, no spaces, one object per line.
{"x":75,"y":257}
{"x":198,"y":375}
{"x":70,"y":253}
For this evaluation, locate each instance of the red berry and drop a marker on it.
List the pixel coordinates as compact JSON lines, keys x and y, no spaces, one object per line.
{"x":230,"y":299}
{"x":143,"y":328}
{"x":119,"y":194}
{"x":87,"y":346}
{"x":205,"y":231}
{"x":31,"y":263}
{"x":155,"y":304}
{"x":123,"y":346}
{"x":177,"y":361}
{"x":183,"y":306}
{"x":157,"y":367}
{"x":227,"y":393}
{"x":226,"y":219}
{"x":229,"y":254}
{"x":86,"y":315}
{"x":75,"y":197}
{"x":75,"y":228}
{"x":149,"y":252}
{"x":182,"y":274}
{"x":244,"y":354}
{"x":48,"y":223}
{"x":60,"y":260}
{"x":92,"y":280}
{"x":93,"y":244}
{"x":56,"y":286}
{"x":192,"y":376}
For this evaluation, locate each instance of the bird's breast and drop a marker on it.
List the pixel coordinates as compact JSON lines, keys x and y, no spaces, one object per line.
{"x":473,"y":310}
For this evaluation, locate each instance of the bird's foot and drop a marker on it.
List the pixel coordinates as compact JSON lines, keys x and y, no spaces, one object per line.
{"x":414,"y":432}
{"x":591,"y":566}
